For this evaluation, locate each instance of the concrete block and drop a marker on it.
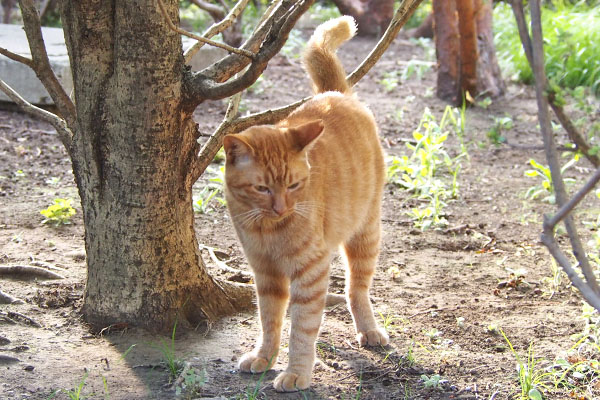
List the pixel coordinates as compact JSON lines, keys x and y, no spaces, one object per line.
{"x":25,"y":82}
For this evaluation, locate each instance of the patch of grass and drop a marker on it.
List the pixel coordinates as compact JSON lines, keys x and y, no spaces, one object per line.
{"x":59,"y":213}
{"x":571,"y":35}
{"x":173,"y":365}
{"x":532,"y":379}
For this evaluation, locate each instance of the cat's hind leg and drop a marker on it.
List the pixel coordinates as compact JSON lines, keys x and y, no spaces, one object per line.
{"x":361,"y":253}
{"x":273,"y":292}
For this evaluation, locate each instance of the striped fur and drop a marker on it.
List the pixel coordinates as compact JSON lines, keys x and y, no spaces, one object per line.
{"x":298,"y":191}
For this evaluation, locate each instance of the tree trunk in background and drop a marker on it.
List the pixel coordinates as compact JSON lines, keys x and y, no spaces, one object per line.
{"x":467,"y":30}
{"x":489,"y":77}
{"x":465,"y":50}
{"x":372,"y":16}
{"x":131,"y":153}
{"x":447,"y":49}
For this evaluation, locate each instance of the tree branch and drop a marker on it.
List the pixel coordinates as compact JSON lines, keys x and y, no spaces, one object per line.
{"x":215,"y":11}
{"x":200,"y":87}
{"x":41,"y":63}
{"x":64,"y":133}
{"x":552,"y":158}
{"x":217,"y":28}
{"x":224,"y":46}
{"x":16,"y":57}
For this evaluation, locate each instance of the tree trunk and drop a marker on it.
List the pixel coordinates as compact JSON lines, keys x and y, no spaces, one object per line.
{"x":131,"y":153}
{"x":465,"y":50}
{"x":489,"y":77}
{"x":467,"y":29}
{"x":372,"y":16}
{"x":447,"y":49}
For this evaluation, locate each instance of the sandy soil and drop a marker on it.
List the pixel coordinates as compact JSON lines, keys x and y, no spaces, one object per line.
{"x":442,"y":297}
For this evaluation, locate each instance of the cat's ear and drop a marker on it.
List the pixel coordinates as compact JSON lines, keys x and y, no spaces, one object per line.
{"x":237,"y":149}
{"x":306,"y":134}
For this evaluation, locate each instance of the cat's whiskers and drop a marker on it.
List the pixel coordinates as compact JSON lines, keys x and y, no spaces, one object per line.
{"x":249,"y":217}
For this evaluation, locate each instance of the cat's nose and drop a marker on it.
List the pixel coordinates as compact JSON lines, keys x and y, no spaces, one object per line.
{"x":279,"y":206}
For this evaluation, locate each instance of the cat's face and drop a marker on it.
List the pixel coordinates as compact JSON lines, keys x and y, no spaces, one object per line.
{"x":267,"y":171}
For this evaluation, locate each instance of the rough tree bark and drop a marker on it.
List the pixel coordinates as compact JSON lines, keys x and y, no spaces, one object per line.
{"x":465,"y":50}
{"x":372,"y":16}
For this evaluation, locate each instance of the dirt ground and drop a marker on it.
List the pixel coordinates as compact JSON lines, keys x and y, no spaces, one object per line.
{"x":444,"y":299}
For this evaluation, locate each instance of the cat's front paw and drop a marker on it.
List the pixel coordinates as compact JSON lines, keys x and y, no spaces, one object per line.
{"x":374,"y":337}
{"x":291,"y":382}
{"x":250,"y":362}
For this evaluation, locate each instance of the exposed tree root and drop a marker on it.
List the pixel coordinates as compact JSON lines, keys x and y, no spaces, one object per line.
{"x":8,"y":359}
{"x":28,"y":272}
{"x":15,"y":316}
{"x":6,"y":298}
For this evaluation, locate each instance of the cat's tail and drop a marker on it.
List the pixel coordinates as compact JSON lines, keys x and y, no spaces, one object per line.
{"x":322,"y":64}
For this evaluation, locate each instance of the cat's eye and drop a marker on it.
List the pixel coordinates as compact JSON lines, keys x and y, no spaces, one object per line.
{"x":294,"y":186}
{"x":262,"y":189}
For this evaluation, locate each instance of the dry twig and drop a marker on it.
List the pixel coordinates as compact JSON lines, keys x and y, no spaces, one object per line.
{"x":217,"y":28}
{"x":224,"y":46}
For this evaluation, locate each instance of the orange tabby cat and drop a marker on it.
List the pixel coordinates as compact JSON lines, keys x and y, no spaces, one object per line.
{"x":298,"y":190}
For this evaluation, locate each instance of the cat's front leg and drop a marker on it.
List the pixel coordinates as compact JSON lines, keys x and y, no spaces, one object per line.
{"x":307,"y":301}
{"x":272,"y":290}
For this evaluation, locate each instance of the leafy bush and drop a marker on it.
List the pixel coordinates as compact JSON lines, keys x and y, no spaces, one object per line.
{"x":571,"y":34}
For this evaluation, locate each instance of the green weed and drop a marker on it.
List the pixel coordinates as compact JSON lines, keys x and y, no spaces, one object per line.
{"x":432,"y":381}
{"x":59,"y":213}
{"x":546,"y":186}
{"x":425,"y":172}
{"x":211,"y":195}
{"x":501,"y":124}
{"x":173,"y":365}
{"x":532,"y":379}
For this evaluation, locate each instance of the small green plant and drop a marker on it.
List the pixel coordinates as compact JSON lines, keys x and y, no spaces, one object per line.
{"x":533,"y":380}
{"x":204,"y":202}
{"x":388,"y":322}
{"x":433,"y":381}
{"x":173,"y":365}
{"x":501,"y":124}
{"x":253,"y":393}
{"x":434,"y":335}
{"x":192,"y":383}
{"x":546,"y":186}
{"x":389,"y":81}
{"x":425,"y":172}
{"x":59,"y":213}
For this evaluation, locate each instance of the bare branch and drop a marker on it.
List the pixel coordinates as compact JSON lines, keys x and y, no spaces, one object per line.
{"x":64,"y":133}
{"x":16,"y":57}
{"x":217,"y":28}
{"x":550,"y":148}
{"x":215,"y":11}
{"x":201,"y":87}
{"x":232,"y":64}
{"x":224,"y":46}
{"x":572,"y":203}
{"x":41,"y":63}
{"x":402,"y":14}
